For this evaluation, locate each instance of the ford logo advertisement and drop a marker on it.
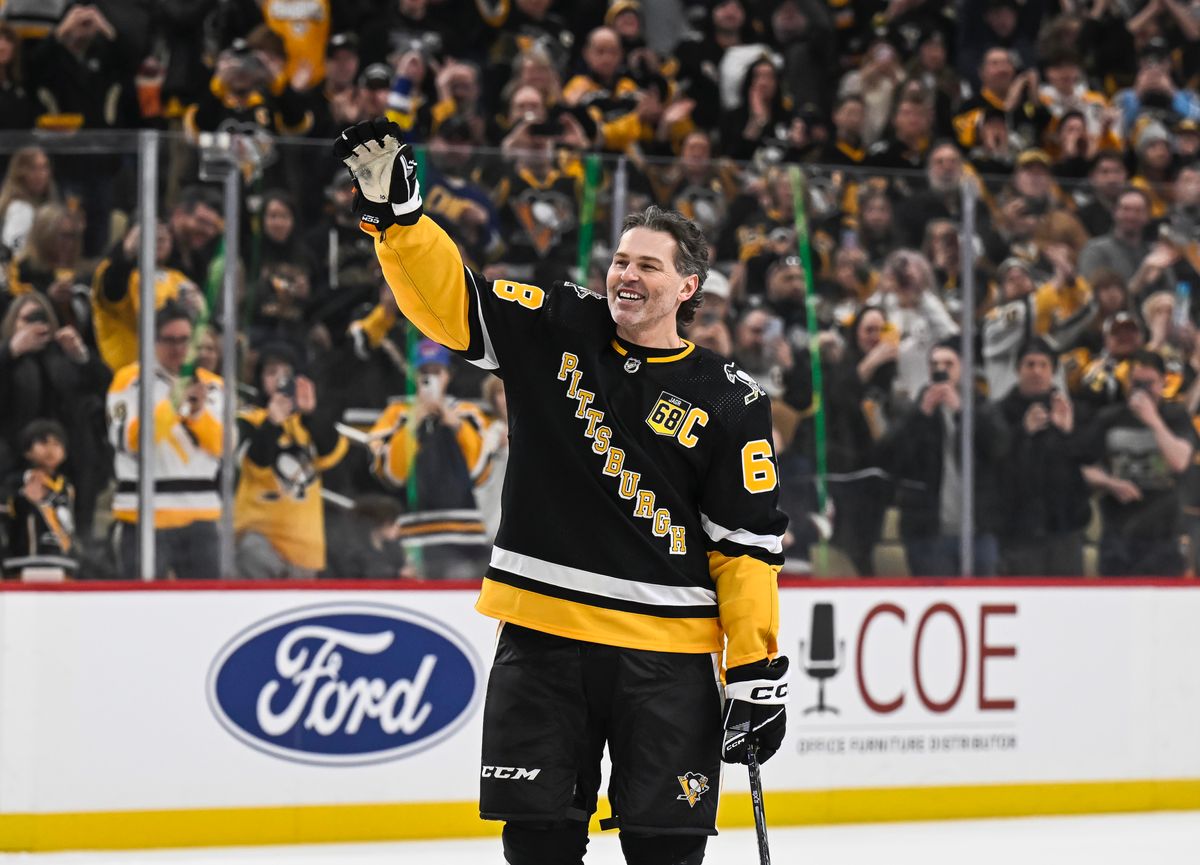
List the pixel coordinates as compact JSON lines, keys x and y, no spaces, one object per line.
{"x":344,"y":684}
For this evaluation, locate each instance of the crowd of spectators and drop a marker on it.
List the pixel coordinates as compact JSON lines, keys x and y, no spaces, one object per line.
{"x":1075,"y":124}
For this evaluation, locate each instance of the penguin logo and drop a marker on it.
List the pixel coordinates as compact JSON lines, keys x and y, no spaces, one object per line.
{"x":694,"y":786}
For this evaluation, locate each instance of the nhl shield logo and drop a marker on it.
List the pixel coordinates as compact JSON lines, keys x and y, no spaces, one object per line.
{"x":632,"y":365}
{"x":694,"y":786}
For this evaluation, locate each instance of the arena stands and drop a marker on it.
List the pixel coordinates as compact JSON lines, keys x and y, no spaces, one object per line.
{"x":1072,"y":125}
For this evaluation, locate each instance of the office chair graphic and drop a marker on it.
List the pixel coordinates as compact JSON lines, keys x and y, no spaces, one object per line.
{"x":824,"y":657}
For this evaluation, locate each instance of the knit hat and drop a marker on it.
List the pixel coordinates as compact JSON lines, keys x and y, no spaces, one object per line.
{"x":1149,"y":133}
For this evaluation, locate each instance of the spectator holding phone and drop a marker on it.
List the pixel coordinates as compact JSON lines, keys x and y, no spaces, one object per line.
{"x":188,"y":442}
{"x":923,"y":453}
{"x":52,"y":264}
{"x":536,"y":200}
{"x":859,"y":412}
{"x":242,"y":94}
{"x":117,"y":296}
{"x":431,"y":449}
{"x":907,"y":297}
{"x":1136,"y":452}
{"x":1044,"y":500}
{"x":1105,"y":378}
{"x":289,"y":443}
{"x":47,"y":372}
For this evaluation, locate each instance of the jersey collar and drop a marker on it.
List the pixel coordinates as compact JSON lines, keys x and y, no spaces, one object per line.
{"x":652,"y":355}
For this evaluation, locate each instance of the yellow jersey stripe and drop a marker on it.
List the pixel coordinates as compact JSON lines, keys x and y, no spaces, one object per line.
{"x":670,"y":358}
{"x":597,"y":624}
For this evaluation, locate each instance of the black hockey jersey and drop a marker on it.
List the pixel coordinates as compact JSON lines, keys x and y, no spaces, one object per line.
{"x":640,"y":500}
{"x":41,"y":534}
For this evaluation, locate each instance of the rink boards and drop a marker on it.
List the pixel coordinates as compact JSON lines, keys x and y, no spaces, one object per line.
{"x":243,"y":714}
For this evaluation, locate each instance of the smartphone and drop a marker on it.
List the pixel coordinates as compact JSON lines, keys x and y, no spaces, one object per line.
{"x":1035,"y":206}
{"x":548,"y":129}
{"x":286,"y":385}
{"x":1183,"y":304}
{"x":429,"y":387}
{"x":938,"y":376}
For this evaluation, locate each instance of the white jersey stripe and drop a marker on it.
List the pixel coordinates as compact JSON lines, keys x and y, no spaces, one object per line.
{"x":489,"y":359}
{"x":566,"y":577}
{"x":461,"y":538}
{"x":770,"y":543}
{"x":440,"y":516}
{"x":206,"y":501}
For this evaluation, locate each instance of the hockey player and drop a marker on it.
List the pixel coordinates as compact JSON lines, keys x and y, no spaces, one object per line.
{"x":640,"y":534}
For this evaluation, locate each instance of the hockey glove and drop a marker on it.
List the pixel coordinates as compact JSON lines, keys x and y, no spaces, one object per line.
{"x":755,"y":695}
{"x":384,"y":172}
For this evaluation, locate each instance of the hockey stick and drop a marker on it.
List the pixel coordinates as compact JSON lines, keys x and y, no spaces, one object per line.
{"x":756,"y":797}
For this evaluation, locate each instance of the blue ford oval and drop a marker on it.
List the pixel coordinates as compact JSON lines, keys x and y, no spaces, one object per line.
{"x":344,"y":684}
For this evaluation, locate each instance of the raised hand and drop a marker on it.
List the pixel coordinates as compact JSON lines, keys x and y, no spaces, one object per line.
{"x":384,"y":172}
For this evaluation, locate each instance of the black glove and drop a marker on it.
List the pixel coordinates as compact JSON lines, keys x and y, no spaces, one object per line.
{"x":384,"y":171}
{"x":755,"y":696}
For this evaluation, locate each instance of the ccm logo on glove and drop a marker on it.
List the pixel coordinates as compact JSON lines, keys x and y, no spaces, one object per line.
{"x":767,"y":694}
{"x":755,"y":695}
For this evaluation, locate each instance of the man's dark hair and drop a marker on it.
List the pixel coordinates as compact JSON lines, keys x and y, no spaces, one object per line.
{"x":41,"y":429}
{"x":939,"y":144}
{"x":171,"y":311}
{"x":1061,"y":57}
{"x":1152,"y":359}
{"x":1037,"y":345}
{"x":847,"y":99}
{"x":1106,"y":156}
{"x":950,"y":343}
{"x":913,"y":96}
{"x":377,"y":509}
{"x":691,"y":250}
{"x":193,"y":196}
{"x":1105,"y":277}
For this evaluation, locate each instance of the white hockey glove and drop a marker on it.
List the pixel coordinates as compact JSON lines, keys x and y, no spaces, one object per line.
{"x":384,"y":172}
{"x":755,"y":714}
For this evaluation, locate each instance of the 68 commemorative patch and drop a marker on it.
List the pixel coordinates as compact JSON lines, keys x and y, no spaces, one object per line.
{"x":666,"y":417}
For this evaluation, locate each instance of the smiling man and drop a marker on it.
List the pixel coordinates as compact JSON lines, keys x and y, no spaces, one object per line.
{"x":640,"y":535}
